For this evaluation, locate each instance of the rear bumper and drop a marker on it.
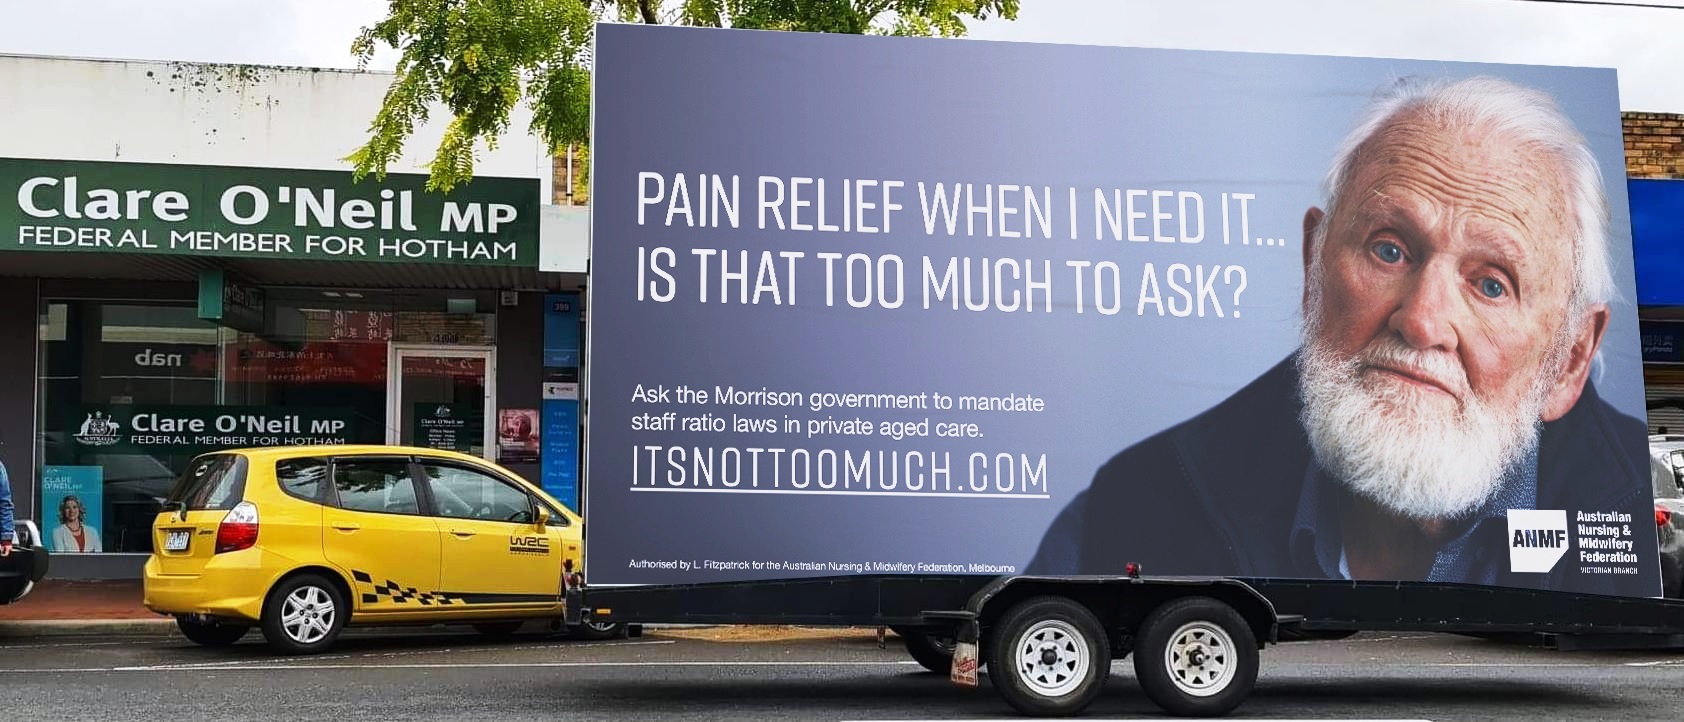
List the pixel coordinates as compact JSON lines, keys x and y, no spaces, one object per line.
{"x":230,"y":586}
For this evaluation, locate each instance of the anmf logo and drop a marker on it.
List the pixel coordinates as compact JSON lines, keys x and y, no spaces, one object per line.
{"x":1552,"y":538}
{"x":1537,"y":540}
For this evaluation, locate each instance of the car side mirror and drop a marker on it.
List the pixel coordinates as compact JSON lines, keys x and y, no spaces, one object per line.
{"x":542,"y":517}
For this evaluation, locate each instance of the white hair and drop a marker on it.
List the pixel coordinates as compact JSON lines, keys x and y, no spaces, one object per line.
{"x":1525,"y":115}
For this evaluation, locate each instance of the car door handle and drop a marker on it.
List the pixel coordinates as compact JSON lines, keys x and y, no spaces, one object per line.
{"x":462,"y":533}
{"x":347,"y":527}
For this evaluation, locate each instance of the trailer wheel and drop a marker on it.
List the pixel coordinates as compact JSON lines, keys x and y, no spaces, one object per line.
{"x":1196,"y":656}
{"x":596,"y":631}
{"x":1050,"y":656}
{"x":932,"y":650}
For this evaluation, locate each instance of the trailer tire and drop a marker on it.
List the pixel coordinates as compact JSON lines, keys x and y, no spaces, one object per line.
{"x":932,"y":650}
{"x":598,"y":631}
{"x":1196,"y":657}
{"x":1049,"y":657}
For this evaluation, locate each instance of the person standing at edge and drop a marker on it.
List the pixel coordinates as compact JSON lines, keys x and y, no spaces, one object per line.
{"x":8,"y":525}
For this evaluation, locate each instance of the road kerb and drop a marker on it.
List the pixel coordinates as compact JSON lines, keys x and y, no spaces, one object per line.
{"x":14,"y":629}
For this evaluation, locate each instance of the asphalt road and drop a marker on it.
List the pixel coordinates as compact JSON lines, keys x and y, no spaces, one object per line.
{"x":431,"y":675}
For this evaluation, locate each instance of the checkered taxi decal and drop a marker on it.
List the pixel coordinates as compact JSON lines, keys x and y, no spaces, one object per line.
{"x":398,"y":593}
{"x":373,"y":593}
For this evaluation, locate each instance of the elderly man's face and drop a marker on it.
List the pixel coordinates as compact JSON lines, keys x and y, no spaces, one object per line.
{"x":1459,"y":247}
{"x":1438,"y":334}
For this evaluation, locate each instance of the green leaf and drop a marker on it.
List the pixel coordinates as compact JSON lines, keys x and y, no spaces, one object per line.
{"x":479,"y":59}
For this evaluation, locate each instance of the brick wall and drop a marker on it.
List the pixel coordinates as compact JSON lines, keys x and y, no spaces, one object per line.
{"x":1654,"y":145}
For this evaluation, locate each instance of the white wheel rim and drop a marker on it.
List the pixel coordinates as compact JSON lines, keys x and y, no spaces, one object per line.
{"x":1201,"y":659}
{"x":1052,"y":658}
{"x":307,"y":615}
{"x":601,"y":626}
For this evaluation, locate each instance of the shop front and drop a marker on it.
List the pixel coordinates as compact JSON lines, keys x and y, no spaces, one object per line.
{"x":183,"y":309}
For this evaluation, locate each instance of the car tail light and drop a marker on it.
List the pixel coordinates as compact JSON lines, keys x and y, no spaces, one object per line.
{"x":1662,"y":516}
{"x":238,"y":529}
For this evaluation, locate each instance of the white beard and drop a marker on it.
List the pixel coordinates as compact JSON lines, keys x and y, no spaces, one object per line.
{"x":1411,"y":450}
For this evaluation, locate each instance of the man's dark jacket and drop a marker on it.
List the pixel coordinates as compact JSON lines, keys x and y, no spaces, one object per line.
{"x":1217,"y":494}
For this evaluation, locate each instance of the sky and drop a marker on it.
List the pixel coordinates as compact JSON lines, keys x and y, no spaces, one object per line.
{"x":1646,"y":45}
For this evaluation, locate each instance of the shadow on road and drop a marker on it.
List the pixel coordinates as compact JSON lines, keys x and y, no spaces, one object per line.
{"x":374,"y":639}
{"x":1508,"y":693}
{"x":1273,"y":697}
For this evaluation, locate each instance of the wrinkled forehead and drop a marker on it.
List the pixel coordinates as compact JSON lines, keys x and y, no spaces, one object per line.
{"x":1496,"y":180}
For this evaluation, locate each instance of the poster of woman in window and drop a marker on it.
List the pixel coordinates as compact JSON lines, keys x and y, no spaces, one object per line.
{"x":71,"y":501}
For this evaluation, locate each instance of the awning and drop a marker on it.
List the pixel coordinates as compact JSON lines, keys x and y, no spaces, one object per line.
{"x":1657,"y":235}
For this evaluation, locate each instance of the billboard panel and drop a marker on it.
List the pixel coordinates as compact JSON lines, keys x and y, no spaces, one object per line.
{"x":883,"y":305}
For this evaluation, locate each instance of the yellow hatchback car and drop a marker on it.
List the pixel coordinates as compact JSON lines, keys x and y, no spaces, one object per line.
{"x":303,"y":541}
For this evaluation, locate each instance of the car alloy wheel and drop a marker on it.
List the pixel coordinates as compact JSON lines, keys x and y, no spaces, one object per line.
{"x":308,"y":614}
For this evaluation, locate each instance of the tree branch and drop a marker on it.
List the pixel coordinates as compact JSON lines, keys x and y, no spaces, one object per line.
{"x":646,"y":8}
{"x":871,"y":10}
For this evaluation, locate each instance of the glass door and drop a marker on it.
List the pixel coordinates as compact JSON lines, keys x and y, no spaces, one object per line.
{"x":439,"y":397}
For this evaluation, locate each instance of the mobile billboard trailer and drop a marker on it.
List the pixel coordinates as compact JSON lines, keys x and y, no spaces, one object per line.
{"x":1047,"y":355}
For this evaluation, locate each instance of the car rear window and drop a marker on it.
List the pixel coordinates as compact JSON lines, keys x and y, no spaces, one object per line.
{"x":216,"y":482}
{"x":375,"y":485}
{"x":302,"y":477}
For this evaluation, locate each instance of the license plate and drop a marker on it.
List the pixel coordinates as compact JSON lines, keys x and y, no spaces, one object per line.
{"x":176,"y":541}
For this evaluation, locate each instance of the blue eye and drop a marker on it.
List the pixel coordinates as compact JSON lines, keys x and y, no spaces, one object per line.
{"x":1389,"y":252}
{"x":1490,"y":287}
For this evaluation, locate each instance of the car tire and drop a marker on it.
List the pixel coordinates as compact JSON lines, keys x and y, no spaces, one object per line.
{"x":597,"y":631}
{"x":211,"y":633}
{"x":497,"y":631}
{"x":304,"y":614}
{"x":1196,"y":657}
